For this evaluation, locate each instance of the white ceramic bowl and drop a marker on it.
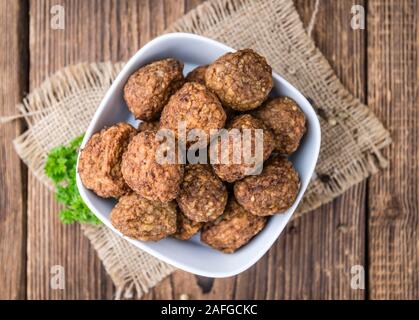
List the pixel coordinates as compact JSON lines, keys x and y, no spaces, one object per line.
{"x":194,"y":256}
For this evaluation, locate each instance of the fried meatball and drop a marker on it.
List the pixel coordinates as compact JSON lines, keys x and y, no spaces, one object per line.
{"x":202,"y":196}
{"x":100,"y":161}
{"x":186,"y":228}
{"x":148,"y":126}
{"x":142,"y":219}
{"x":273,"y":191}
{"x":149,"y":88}
{"x":233,"y":229}
{"x":197,"y":75}
{"x":196,"y":107}
{"x":286,"y":120}
{"x":223,"y":162}
{"x":242,"y":80}
{"x":145,"y":175}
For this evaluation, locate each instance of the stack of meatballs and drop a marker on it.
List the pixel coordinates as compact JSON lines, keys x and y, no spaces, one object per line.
{"x":224,"y":202}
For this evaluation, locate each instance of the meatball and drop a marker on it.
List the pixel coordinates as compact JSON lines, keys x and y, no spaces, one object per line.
{"x":148,"y":126}
{"x":196,"y":107}
{"x":100,"y":161}
{"x":242,"y":80}
{"x":286,"y":120}
{"x":142,"y":219}
{"x":233,"y":229}
{"x":274,"y":191}
{"x":186,"y":228}
{"x":197,"y":75}
{"x":149,"y":88}
{"x":147,"y":175}
{"x":202,"y":196}
{"x":224,"y":163}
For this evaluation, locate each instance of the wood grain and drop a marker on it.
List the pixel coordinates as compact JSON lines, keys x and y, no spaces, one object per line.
{"x":94,"y":31}
{"x":339,"y":227}
{"x":393,"y":73}
{"x":297,"y":267}
{"x":312,"y":260}
{"x":313,"y":257}
{"x":13,"y":75}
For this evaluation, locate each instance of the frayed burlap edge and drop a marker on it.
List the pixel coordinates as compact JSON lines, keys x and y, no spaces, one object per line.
{"x":39,"y":104}
{"x":132,"y":270}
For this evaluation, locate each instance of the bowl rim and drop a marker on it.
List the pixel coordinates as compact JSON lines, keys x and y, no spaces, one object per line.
{"x":314,"y":121}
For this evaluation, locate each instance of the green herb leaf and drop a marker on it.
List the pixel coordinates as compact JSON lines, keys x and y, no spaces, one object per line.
{"x":60,"y":167}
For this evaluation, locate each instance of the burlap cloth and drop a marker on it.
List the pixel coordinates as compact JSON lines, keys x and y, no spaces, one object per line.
{"x":352,"y":137}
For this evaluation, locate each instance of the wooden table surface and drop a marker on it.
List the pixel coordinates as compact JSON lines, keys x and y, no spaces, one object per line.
{"x":373,"y":225}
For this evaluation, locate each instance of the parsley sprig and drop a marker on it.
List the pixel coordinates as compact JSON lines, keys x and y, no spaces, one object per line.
{"x":60,"y":167}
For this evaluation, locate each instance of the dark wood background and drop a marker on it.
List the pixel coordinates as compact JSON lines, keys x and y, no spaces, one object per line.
{"x":374,"y":224}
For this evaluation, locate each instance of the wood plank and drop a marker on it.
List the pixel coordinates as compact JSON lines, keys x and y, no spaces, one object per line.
{"x":297,"y":267}
{"x":393,"y":73}
{"x":94,"y":31}
{"x":13,"y":67}
{"x":313,"y":258}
